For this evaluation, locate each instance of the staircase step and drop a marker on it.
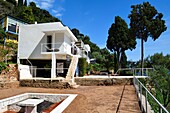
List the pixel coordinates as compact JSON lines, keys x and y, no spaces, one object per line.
{"x":75,"y":86}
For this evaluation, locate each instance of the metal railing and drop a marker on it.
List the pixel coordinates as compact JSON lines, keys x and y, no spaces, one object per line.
{"x":46,"y":72}
{"x":137,"y":71}
{"x":55,"y":47}
{"x":145,"y":96}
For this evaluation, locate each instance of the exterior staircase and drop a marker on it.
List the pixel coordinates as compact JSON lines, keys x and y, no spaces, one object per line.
{"x":71,"y":72}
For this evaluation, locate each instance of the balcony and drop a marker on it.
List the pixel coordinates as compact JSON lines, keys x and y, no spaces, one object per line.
{"x":60,"y":47}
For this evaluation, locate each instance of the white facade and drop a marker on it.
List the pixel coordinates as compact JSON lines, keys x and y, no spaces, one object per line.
{"x":50,"y":42}
{"x":32,"y":37}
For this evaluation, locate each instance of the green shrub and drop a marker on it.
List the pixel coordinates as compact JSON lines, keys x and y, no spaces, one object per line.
{"x":2,"y":66}
{"x":88,"y":68}
{"x":82,"y":64}
{"x":96,"y":67}
{"x":4,"y":52}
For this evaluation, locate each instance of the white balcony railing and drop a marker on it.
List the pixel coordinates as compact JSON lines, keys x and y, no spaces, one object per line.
{"x":63,"y":48}
{"x":60,"y":47}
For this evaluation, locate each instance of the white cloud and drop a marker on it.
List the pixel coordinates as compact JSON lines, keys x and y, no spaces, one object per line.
{"x":50,"y":5}
{"x":44,"y":4}
{"x":58,"y":12}
{"x":58,"y":15}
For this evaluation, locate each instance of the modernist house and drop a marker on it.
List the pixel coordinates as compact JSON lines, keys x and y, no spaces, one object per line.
{"x":11,"y":25}
{"x":49,"y":50}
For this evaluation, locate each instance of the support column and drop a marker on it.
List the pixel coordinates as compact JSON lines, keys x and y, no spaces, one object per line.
{"x":53,"y":70}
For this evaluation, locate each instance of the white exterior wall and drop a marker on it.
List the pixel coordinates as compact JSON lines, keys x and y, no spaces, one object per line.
{"x":32,"y":36}
{"x":67,"y":41}
{"x":59,"y":37}
{"x":29,"y":37}
{"x":36,"y":54}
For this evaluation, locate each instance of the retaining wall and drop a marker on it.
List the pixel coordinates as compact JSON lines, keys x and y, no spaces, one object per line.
{"x":44,"y":84}
{"x":9,"y":85}
{"x":103,"y":81}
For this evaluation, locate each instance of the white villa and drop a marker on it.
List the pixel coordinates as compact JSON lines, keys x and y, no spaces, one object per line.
{"x":49,"y":50}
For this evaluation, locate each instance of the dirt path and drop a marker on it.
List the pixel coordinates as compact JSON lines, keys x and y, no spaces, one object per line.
{"x":129,"y":103}
{"x":90,"y":99}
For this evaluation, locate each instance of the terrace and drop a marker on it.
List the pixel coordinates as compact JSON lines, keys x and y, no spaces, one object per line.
{"x":119,"y":97}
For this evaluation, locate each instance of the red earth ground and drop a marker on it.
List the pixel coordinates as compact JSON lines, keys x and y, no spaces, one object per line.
{"x":90,"y":99}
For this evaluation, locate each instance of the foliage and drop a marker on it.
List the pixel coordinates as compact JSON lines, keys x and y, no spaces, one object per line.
{"x":120,"y":39}
{"x":99,"y":57}
{"x":20,"y":2}
{"x":86,"y":40}
{"x":32,"y":4}
{"x":88,"y":68}
{"x":103,"y":57}
{"x":5,"y":8}
{"x":29,"y":14}
{"x":12,"y":44}
{"x":41,"y":15}
{"x":2,"y":66}
{"x":82,"y":64}
{"x":96,"y":67}
{"x":108,"y":59}
{"x":146,"y":22}
{"x":25,"y":13}
{"x":4,"y":52}
{"x":161,"y":82}
{"x":123,"y":60}
{"x":2,"y":33}
{"x":12,"y":2}
{"x":160,"y":60}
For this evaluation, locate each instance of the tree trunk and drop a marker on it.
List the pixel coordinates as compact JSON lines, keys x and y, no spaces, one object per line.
{"x":115,"y":62}
{"x":118,"y":59}
{"x":142,"y":55}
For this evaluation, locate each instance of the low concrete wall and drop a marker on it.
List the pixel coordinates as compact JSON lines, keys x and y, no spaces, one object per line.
{"x":79,"y":81}
{"x":48,"y":100}
{"x":10,"y":103}
{"x":102,"y":81}
{"x":44,"y":84}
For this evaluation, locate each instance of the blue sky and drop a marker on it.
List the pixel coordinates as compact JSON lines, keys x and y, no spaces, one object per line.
{"x":94,"y":18}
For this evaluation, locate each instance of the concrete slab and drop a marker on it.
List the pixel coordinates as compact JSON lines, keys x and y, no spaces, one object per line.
{"x":30,"y":105}
{"x":30,"y":102}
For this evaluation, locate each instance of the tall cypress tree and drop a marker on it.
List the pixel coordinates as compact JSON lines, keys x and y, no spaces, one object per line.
{"x":20,"y":2}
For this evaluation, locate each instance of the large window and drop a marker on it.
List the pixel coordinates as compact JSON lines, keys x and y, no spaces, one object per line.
{"x":12,"y":28}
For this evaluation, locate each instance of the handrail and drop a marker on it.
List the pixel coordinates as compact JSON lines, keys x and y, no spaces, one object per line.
{"x":139,"y":88}
{"x":134,"y":70}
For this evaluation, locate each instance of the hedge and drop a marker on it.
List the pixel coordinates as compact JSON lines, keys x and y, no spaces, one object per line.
{"x":82,"y":64}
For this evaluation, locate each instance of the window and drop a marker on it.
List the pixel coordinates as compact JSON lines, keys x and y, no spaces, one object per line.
{"x":12,"y":28}
{"x":49,"y":41}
